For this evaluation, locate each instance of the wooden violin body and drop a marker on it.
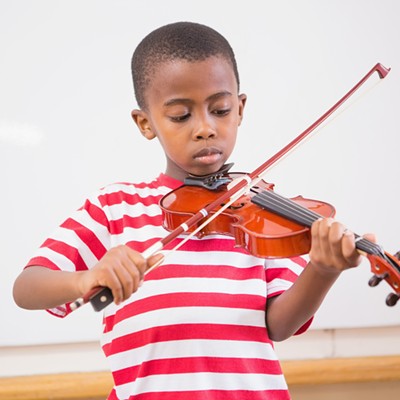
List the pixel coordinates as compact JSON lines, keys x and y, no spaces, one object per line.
{"x":261,"y":232}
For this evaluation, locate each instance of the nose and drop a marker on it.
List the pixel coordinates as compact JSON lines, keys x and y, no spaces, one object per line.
{"x":204,"y":129}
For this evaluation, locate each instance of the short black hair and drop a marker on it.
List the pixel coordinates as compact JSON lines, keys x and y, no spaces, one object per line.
{"x":187,"y":41}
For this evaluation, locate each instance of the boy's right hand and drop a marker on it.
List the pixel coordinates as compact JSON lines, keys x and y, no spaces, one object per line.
{"x":121,"y":269}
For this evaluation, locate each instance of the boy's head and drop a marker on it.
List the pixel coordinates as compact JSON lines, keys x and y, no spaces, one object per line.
{"x":187,"y":87}
{"x":187,"y":41}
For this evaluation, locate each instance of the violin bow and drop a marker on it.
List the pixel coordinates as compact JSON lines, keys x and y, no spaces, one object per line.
{"x":100,"y":297}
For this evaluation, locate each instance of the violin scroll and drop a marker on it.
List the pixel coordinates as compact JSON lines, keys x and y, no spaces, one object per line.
{"x":386,"y":267}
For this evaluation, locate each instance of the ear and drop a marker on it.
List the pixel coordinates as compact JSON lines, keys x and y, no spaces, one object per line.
{"x":143,"y":123}
{"x":242,"y":103}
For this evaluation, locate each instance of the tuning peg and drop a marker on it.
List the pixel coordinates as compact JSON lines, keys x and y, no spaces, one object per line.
{"x":376,"y":279}
{"x":392,"y":299}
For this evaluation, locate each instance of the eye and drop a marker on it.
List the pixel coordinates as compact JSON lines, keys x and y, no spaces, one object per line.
{"x":222,"y":112}
{"x":179,"y":118}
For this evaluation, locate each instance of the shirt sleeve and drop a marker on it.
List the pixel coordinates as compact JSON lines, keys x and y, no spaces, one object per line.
{"x":76,"y":245}
{"x":280,"y":276}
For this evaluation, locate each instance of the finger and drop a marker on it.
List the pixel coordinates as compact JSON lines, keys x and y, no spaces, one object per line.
{"x":349,"y":250}
{"x":154,"y":261}
{"x":137,"y":262}
{"x":134,"y":264}
{"x":123,"y":266}
{"x":336,"y":234}
{"x":315,"y":241}
{"x":320,"y":238}
{"x":111,"y":280}
{"x":371,"y":237}
{"x":129,"y":283}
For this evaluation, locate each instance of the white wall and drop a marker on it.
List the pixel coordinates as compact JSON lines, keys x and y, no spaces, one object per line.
{"x":65,"y":128}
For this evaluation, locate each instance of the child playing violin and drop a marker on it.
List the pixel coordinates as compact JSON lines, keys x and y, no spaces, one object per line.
{"x":202,"y":325}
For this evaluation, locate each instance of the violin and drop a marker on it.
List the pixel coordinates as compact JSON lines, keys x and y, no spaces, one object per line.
{"x":263,"y":222}
{"x":267,"y":224}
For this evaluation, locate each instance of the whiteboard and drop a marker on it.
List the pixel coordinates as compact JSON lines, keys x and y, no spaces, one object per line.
{"x":65,"y":126}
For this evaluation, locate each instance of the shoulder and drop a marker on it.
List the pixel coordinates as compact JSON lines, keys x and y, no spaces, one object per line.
{"x":162,"y":183}
{"x":130,"y":192}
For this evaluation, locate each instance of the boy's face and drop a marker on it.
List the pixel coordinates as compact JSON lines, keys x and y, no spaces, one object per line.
{"x":194,"y":111}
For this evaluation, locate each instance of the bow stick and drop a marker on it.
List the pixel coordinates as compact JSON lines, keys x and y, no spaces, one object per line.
{"x":100,"y":297}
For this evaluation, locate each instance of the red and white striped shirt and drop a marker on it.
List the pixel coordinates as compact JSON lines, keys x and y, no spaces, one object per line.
{"x":196,"y":328}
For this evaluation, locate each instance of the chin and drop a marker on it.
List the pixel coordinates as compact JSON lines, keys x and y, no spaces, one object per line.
{"x":206,"y":170}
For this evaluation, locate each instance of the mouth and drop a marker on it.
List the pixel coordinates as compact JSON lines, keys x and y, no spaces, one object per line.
{"x":208,"y":155}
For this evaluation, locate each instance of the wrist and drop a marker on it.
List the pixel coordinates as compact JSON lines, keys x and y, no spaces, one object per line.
{"x":324,"y":272}
{"x":83,"y":282}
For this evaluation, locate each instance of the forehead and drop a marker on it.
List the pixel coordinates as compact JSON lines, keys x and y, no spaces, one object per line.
{"x":181,"y":78}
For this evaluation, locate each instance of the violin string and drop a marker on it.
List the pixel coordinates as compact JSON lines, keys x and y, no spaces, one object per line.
{"x":280,"y":202}
{"x":302,"y":215}
{"x":285,"y":207}
{"x":290,"y":209}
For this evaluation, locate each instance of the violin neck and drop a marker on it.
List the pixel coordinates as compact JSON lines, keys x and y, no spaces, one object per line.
{"x":289,"y":209}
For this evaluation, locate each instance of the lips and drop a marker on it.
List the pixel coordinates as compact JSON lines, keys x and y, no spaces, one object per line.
{"x":207,"y":151}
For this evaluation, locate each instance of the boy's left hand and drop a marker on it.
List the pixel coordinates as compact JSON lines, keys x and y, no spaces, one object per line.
{"x":333,"y":247}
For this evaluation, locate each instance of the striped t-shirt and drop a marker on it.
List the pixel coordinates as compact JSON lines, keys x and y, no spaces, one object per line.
{"x":196,"y":328}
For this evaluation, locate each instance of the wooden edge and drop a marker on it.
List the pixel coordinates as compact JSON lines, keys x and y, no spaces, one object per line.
{"x":68,"y":386}
{"x":342,"y":370}
{"x":97,"y":385}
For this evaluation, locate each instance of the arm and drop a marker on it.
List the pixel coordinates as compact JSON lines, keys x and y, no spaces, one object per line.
{"x":42,"y":288}
{"x":332,"y":251}
{"x":121,"y":269}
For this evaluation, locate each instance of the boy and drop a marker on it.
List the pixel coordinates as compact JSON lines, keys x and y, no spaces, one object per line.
{"x":200,"y":326}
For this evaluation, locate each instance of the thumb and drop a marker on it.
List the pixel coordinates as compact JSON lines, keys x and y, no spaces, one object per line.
{"x":371,"y":237}
{"x":154,"y":261}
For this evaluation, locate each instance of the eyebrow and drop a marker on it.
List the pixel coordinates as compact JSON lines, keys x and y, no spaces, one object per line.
{"x":183,"y":100}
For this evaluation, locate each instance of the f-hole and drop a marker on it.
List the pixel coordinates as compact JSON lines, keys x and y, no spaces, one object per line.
{"x":235,"y":206}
